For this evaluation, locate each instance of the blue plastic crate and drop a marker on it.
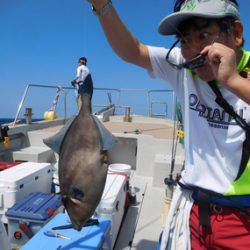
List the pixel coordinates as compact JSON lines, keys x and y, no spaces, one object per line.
{"x":92,"y":237}
{"x":26,"y":217}
{"x":35,"y":207}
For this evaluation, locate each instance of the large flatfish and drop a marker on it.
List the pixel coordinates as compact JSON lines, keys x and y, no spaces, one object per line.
{"x":82,"y":145}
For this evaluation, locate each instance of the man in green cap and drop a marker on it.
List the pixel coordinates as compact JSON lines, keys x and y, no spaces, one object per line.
{"x":209,"y":73}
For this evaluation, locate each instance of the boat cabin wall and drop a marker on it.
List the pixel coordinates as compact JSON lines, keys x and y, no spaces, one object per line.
{"x":30,"y":138}
{"x":125,"y":152}
{"x":142,"y":152}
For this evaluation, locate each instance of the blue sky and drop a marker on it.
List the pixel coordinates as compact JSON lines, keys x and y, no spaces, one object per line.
{"x":41,"y":41}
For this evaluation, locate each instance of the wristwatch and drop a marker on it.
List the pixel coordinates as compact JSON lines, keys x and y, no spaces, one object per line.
{"x":106,"y":7}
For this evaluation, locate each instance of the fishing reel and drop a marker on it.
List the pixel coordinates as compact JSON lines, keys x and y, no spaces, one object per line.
{"x":4,"y":136}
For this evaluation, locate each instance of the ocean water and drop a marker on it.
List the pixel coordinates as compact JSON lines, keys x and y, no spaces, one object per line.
{"x":8,"y":120}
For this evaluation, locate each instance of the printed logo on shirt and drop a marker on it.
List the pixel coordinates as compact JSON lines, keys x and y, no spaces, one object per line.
{"x":217,"y":118}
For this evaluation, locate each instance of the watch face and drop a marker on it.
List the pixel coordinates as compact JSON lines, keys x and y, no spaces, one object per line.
{"x":103,"y":9}
{"x":93,"y":8}
{"x":245,"y":73}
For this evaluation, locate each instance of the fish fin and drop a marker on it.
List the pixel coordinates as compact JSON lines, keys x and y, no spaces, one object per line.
{"x":54,"y":142}
{"x":105,"y":156}
{"x":108,"y":140}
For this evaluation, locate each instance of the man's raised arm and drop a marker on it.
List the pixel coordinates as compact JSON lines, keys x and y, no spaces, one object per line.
{"x":120,"y":39}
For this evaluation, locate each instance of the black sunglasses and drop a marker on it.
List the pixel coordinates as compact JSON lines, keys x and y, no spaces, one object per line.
{"x":192,"y":64}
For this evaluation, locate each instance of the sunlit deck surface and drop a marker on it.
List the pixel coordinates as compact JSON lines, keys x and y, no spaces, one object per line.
{"x":162,"y":131}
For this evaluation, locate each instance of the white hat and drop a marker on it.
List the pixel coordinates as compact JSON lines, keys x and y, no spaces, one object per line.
{"x":197,"y":8}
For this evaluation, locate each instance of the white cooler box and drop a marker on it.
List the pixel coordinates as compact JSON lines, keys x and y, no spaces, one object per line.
{"x":112,"y":204}
{"x":19,"y":181}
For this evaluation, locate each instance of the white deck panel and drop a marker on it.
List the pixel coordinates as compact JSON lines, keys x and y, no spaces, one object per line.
{"x":127,"y":230}
{"x":34,"y":154}
{"x":142,"y":224}
{"x":149,"y":224}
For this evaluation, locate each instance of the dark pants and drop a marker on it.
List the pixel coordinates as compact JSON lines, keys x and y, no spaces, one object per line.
{"x":85,"y":87}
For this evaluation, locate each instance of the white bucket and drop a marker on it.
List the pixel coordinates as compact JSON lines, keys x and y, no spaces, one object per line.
{"x":120,"y":168}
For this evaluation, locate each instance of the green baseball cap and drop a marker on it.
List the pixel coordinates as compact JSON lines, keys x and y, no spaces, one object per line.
{"x":197,"y":8}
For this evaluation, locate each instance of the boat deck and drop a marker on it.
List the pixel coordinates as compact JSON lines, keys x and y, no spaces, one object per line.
{"x":161,"y":131}
{"x":142,"y":223}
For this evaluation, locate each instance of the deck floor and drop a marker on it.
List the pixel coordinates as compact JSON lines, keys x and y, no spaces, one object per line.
{"x":136,"y":232}
{"x":162,"y":131}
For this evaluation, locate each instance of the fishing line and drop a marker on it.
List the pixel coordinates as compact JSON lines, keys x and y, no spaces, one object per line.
{"x":85,"y":30}
{"x":186,"y":112}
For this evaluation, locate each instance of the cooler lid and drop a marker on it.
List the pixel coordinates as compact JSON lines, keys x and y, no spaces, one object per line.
{"x":22,"y":173}
{"x":36,"y":206}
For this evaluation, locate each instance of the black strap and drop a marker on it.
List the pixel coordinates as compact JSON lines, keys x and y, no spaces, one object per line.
{"x":240,"y":121}
{"x":203,"y":201}
{"x":204,"y":210}
{"x":227,"y":107}
{"x":203,"y":198}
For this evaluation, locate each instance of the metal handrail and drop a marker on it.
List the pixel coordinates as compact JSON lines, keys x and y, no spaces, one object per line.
{"x":118,"y":104}
{"x":25,"y":95}
{"x":20,"y":106}
{"x":161,"y":103}
{"x":160,"y":91}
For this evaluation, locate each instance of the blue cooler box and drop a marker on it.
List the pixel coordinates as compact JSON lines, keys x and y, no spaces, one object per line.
{"x":26,"y":217}
{"x":89,"y":238}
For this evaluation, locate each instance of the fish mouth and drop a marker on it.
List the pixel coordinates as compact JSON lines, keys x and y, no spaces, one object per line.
{"x":77,"y":227}
{"x":76,"y":224}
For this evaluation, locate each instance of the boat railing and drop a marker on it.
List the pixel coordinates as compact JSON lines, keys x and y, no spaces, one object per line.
{"x":150,"y":103}
{"x":149,"y":100}
{"x":20,"y":106}
{"x":165,"y":106}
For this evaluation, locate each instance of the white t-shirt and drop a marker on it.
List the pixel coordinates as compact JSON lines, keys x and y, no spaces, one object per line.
{"x":82,"y":72}
{"x":215,"y":140}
